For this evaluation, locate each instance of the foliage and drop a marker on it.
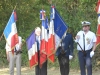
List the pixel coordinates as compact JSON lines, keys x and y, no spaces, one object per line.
{"x":72,"y":11}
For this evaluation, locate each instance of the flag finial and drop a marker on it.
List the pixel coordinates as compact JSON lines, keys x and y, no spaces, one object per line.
{"x":42,"y":14}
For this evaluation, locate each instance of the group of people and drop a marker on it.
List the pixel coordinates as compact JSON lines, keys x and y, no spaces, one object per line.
{"x":86,"y":44}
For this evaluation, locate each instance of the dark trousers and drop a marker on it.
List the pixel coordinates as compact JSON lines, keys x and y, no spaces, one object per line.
{"x":42,"y":70}
{"x":85,"y":62}
{"x":64,"y":64}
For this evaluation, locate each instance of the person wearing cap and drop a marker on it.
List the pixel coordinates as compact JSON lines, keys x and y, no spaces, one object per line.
{"x":86,"y":44}
{"x":65,"y":53}
{"x":39,"y":70}
{"x":16,"y":58}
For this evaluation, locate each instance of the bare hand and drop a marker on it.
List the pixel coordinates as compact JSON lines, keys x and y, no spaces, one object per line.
{"x":8,"y":58}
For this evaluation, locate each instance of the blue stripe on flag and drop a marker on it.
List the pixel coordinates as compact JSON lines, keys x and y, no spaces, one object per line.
{"x":98,"y":14}
{"x":45,"y":23}
{"x":8,"y":27}
{"x":31,"y":40}
{"x":59,"y":25}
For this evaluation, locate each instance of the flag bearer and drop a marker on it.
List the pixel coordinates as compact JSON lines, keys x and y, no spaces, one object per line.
{"x":86,"y":40}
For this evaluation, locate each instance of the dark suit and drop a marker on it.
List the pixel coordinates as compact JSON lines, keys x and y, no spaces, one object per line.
{"x":42,"y":70}
{"x":63,"y":53}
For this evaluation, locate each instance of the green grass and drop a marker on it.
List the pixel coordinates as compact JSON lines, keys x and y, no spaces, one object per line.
{"x":51,"y":71}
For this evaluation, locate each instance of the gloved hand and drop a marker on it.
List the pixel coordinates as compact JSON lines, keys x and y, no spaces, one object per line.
{"x":76,"y":41}
{"x":70,"y":57}
{"x":91,"y":54}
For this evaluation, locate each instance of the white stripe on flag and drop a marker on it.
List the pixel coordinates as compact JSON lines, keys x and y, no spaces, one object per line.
{"x":57,"y":41}
{"x":32,"y":51}
{"x":13,"y":32}
{"x":44,"y":34}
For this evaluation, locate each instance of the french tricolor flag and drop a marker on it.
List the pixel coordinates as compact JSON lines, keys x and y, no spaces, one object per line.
{"x":10,"y":32}
{"x":98,"y":26}
{"x":32,"y":49}
{"x":60,"y":28}
{"x":44,"y":41}
{"x":51,"y":39}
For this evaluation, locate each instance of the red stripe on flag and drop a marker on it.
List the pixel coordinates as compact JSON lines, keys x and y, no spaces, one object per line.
{"x":52,"y":58}
{"x":34,"y":60}
{"x":43,"y":52}
{"x":14,"y":41}
{"x":98,"y":30}
{"x":42,"y":47}
{"x":51,"y":48}
{"x":15,"y":16}
{"x":98,"y":36}
{"x":98,"y":40}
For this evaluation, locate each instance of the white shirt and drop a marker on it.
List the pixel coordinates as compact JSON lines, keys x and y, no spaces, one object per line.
{"x":7,"y":47}
{"x":18,"y":46}
{"x":90,"y":38}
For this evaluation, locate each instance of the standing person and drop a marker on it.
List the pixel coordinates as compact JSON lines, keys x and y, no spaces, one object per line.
{"x":65,"y":53}
{"x":39,"y":70}
{"x":16,"y":57}
{"x":86,"y":44}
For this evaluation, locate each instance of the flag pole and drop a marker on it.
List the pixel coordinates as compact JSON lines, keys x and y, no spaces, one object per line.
{"x":15,"y":6}
{"x":50,"y":1}
{"x":1,"y":36}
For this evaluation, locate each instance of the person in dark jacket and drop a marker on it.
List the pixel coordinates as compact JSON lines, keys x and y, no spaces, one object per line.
{"x":65,"y":53}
